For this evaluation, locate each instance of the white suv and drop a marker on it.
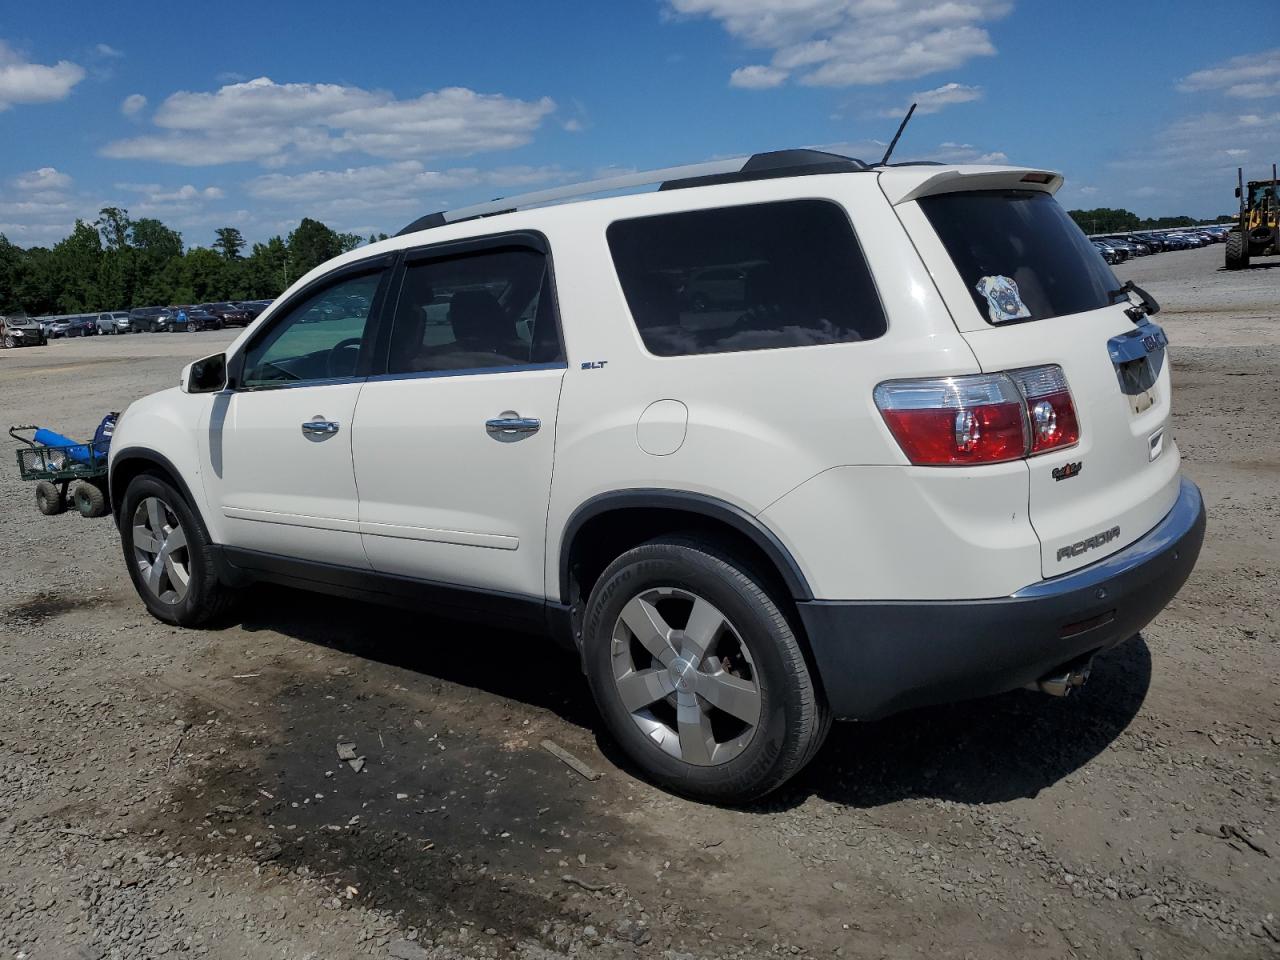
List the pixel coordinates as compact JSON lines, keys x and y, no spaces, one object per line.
{"x":914,"y":447}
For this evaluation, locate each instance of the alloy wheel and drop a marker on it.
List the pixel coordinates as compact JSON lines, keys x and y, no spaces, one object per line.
{"x":160,"y":550}
{"x":686,"y":676}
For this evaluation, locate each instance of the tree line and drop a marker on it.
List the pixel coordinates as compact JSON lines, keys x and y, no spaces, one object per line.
{"x":116,"y":263}
{"x":1108,"y":220}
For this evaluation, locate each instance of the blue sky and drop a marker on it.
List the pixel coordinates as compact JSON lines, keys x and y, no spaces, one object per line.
{"x":367,"y":115}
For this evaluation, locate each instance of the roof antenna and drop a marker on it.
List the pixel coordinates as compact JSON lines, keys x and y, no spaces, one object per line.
{"x":894,"y":142}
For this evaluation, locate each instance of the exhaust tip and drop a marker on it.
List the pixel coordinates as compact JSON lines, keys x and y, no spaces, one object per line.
{"x":1061,"y":682}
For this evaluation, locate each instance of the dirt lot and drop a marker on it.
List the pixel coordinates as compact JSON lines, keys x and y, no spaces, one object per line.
{"x":167,"y":792}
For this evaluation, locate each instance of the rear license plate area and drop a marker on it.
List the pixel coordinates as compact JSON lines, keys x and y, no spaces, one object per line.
{"x":1138,"y":381}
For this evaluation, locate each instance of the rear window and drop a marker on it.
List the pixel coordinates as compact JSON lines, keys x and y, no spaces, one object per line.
{"x":1019,"y":254}
{"x":757,"y":277}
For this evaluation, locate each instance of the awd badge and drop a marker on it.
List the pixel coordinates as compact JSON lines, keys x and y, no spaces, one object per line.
{"x":1067,"y":470}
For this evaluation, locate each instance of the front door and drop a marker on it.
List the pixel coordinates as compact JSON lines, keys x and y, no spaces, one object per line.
{"x":453,"y":446}
{"x":277,"y":448}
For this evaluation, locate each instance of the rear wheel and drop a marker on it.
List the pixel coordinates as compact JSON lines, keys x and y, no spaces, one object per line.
{"x":89,"y":499}
{"x":1237,"y":252}
{"x":169,"y":554}
{"x":10,"y":341}
{"x":50,"y":499}
{"x":698,"y":673}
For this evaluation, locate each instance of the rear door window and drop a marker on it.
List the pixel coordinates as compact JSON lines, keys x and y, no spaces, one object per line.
{"x":489,"y":310}
{"x":1019,"y":254}
{"x":755,"y":277}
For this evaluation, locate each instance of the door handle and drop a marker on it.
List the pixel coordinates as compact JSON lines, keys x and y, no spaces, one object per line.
{"x":512,"y":427}
{"x":318,"y":427}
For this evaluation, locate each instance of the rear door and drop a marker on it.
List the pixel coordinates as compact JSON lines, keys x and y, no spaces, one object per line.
{"x":1026,"y":288}
{"x":453,"y":446}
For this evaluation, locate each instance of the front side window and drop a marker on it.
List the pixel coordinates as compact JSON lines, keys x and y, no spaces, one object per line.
{"x":1019,"y":254}
{"x":320,"y":337}
{"x":758,"y":277}
{"x":487,"y":310}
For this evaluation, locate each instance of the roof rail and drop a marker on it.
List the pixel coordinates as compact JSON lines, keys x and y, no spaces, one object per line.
{"x":760,"y":166}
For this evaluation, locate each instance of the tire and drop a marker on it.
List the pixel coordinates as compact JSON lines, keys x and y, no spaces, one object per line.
{"x":750,"y":660}
{"x":89,"y":500}
{"x":10,"y":342}
{"x":1237,"y":252}
{"x":50,"y":499}
{"x":152,"y":506}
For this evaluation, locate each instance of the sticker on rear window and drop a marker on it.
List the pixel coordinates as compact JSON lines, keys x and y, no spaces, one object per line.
{"x":1003,"y":301}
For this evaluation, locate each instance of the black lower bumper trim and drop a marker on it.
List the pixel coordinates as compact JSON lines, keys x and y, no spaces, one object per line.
{"x":877,"y":658}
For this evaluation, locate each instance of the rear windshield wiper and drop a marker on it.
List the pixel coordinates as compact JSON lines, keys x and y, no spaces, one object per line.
{"x":1149,"y":305}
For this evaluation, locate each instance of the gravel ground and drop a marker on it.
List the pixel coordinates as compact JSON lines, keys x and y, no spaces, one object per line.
{"x":167,"y":792}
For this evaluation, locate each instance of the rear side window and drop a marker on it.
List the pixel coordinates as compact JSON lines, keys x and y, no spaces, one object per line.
{"x":758,"y":277}
{"x":1019,"y":254}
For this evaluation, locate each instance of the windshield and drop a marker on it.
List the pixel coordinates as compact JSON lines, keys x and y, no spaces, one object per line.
{"x":1019,"y":254}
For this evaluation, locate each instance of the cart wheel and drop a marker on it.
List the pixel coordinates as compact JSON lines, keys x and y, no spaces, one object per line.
{"x":89,"y":500}
{"x":50,"y":499}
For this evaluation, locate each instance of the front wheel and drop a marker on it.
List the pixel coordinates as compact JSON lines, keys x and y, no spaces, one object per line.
{"x":169,"y":554}
{"x":1237,"y":252}
{"x":698,"y":673}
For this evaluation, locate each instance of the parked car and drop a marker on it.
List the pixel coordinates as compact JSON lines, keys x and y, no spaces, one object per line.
{"x":1110,"y":254}
{"x":154,"y":320}
{"x":74,"y":325}
{"x":891,"y":480}
{"x":142,"y":319}
{"x":229,"y":314}
{"x":1123,"y":243}
{"x":254,"y":307}
{"x":1136,"y":247}
{"x":113,"y":323}
{"x":20,"y":330}
{"x":199,"y":318}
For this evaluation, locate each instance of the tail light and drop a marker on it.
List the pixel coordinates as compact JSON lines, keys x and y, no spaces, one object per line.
{"x":1049,"y":408}
{"x":983,"y":418}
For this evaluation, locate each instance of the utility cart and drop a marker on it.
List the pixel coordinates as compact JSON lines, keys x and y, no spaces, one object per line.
{"x":59,"y":465}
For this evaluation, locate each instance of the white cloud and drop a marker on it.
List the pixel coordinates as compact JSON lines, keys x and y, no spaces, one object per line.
{"x":758,"y":77}
{"x":870,"y":151}
{"x":403,"y":190}
{"x":939,"y":98}
{"x":44,"y":180}
{"x":40,"y":209}
{"x":275,"y":123}
{"x":840,"y":43}
{"x":106,"y":50}
{"x":155,"y":193}
{"x":24,"y":82}
{"x":133,"y":104}
{"x":1249,"y":76}
{"x":1195,"y":158}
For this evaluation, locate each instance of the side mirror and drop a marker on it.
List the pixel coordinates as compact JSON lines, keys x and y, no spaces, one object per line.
{"x":206,"y":376}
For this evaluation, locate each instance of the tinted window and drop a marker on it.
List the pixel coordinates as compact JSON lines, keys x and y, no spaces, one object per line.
{"x":319,"y":337}
{"x":1019,"y":254}
{"x":480,"y":311}
{"x":755,"y":277}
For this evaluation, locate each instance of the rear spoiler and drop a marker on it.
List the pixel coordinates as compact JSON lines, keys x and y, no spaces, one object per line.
{"x":901,"y":184}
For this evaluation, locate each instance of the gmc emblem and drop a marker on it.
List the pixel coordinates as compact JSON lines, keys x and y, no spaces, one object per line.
{"x":1097,"y":540}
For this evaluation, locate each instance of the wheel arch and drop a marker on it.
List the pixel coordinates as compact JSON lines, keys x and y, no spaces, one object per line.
{"x":610,"y":523}
{"x":132,"y":461}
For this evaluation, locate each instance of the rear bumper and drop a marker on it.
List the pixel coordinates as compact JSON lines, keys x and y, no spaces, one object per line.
{"x":876,"y":658}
